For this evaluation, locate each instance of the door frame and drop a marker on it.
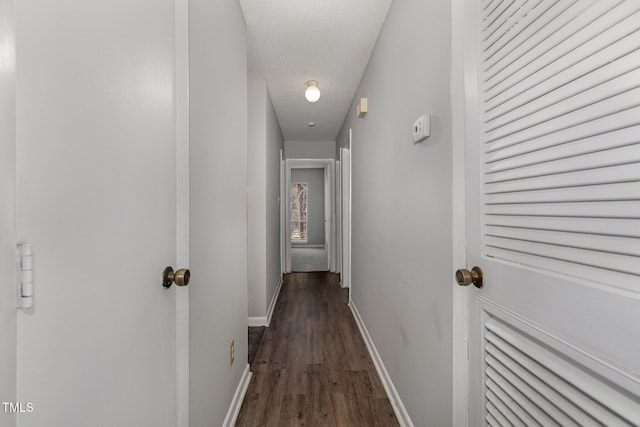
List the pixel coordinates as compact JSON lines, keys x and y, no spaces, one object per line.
{"x":345,"y":229}
{"x":181,"y":94}
{"x":459,"y":87}
{"x":329,"y":190}
{"x":338,"y":198}
{"x":283,"y":214}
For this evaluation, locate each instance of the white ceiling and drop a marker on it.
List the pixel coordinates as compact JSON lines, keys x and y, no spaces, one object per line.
{"x":292,"y":41}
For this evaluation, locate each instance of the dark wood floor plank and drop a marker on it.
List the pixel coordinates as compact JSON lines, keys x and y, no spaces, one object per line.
{"x":312,"y":367}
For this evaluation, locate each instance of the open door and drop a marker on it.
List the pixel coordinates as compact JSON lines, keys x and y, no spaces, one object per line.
{"x":553,"y":220}
{"x":97,"y":199}
{"x":8,"y":313}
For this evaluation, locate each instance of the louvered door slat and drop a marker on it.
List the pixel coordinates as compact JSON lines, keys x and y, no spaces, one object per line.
{"x":532,"y":128}
{"x":561,"y":138}
{"x":569,"y":253}
{"x":539,"y":164}
{"x":595,"y":70}
{"x":540,"y":397}
{"x":529,"y":32}
{"x":500,"y":17}
{"x":607,"y":148}
{"x":505,"y":408}
{"x":597,"y":131}
{"x":550,"y":57}
{"x":588,"y":395}
{"x":578,"y":263}
{"x":558,"y":406}
{"x":492,"y":7}
{"x":498,"y":30}
{"x":532,"y":26}
{"x":541,"y":108}
{"x":629,"y":209}
{"x":510,"y":397}
{"x":495,"y":416}
{"x":596,"y":226}
{"x":586,"y":177}
{"x":600,"y":244}
{"x":613,"y":192}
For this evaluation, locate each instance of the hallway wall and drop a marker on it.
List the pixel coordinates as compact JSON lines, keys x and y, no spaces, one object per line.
{"x":264,"y":144}
{"x":401,"y":236}
{"x":315,"y":204}
{"x":310,"y":149}
{"x":218,"y":206}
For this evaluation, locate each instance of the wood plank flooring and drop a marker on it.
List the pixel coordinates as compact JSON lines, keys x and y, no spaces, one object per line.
{"x":255,"y":337}
{"x":312,"y":367}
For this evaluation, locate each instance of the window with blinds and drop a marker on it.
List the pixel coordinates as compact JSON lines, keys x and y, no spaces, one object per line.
{"x":560,"y":117}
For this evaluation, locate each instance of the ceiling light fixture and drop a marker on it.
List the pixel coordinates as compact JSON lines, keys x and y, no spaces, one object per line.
{"x":312,"y":92}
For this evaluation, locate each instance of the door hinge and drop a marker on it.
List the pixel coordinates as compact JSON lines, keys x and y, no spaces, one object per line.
{"x":26,"y":286}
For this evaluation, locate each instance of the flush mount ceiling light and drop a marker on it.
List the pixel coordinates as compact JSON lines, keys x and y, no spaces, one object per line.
{"x":312,"y":92}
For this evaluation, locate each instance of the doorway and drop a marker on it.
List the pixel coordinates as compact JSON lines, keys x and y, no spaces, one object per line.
{"x":307,"y":220}
{"x":309,"y":232}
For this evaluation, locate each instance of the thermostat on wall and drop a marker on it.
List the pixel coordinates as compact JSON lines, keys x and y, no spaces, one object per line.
{"x":421,"y":128}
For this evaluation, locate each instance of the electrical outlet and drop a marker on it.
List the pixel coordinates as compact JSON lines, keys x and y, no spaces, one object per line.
{"x":232,"y":353}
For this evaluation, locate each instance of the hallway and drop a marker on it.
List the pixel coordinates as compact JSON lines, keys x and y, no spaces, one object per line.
{"x":312,"y":367}
{"x":308,"y":259}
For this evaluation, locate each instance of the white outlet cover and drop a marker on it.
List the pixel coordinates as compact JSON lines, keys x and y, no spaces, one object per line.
{"x":421,"y":128}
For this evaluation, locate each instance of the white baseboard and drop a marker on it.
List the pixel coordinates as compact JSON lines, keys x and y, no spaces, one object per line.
{"x":312,"y":245}
{"x":398,"y":407}
{"x":274,"y":300}
{"x":258,"y":321}
{"x":266,"y":320}
{"x":238,"y":398}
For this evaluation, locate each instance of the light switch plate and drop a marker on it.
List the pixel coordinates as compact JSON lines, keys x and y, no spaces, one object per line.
{"x":421,"y":128}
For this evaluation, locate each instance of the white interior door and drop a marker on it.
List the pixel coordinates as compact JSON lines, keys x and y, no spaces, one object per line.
{"x":96,"y":122}
{"x":553,"y":190}
{"x":8,"y":328}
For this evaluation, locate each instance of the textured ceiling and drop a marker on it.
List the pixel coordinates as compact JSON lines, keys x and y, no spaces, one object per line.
{"x":292,"y":41}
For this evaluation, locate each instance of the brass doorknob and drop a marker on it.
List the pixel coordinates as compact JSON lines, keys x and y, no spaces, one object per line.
{"x":180,"y":277}
{"x":465,"y":277}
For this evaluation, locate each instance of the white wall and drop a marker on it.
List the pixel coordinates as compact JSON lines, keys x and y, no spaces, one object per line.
{"x":401,"y":240}
{"x":315,"y":203}
{"x":275,"y":142}
{"x":256,"y":200}
{"x":218,"y":207}
{"x":264,"y":144}
{"x":310,"y":149}
{"x":7,"y":210}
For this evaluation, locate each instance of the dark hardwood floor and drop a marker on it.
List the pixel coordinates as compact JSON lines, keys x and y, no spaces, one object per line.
{"x":255,"y":337}
{"x":312,"y":367}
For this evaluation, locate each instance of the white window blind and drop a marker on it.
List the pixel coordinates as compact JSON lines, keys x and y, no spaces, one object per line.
{"x":560,"y":90}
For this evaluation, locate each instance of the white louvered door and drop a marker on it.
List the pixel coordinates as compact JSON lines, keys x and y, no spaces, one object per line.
{"x":553,"y":200}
